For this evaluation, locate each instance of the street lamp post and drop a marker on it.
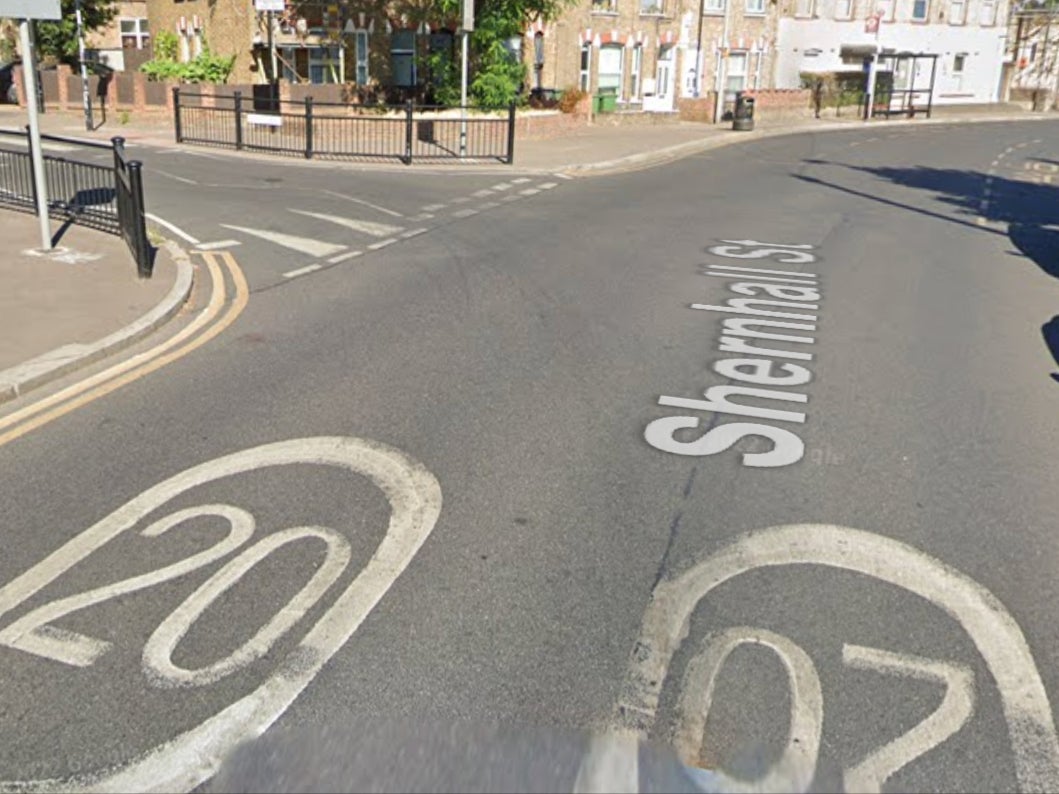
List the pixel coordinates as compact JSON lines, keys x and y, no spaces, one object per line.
{"x":86,"y":98}
{"x":699,"y":60}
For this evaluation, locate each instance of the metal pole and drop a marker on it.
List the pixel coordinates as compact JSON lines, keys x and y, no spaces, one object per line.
{"x":869,"y":95}
{"x":29,"y":76}
{"x":272,"y":48}
{"x":86,"y":98}
{"x":722,"y":64}
{"x":699,"y":60}
{"x":463,"y":95}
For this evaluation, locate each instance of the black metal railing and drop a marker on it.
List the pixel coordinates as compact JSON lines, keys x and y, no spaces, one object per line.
{"x":340,"y":131}
{"x":106,"y":198}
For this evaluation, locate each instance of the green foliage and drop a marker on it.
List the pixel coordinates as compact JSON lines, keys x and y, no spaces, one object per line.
{"x":57,"y":41}
{"x":443,"y":71}
{"x":204,"y":68}
{"x":166,"y":44}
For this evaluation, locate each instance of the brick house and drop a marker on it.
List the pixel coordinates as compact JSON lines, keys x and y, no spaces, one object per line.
{"x":125,"y":43}
{"x":647,"y":50}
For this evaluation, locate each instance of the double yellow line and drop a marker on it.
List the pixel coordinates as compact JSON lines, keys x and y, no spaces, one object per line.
{"x":214,"y":319}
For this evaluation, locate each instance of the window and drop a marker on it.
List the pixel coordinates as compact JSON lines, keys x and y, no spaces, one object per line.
{"x":538,"y":59}
{"x":804,"y":8}
{"x":987,"y":13}
{"x":324,"y":65}
{"x":637,"y":69}
{"x":652,"y":7}
{"x":361,"y":43}
{"x":755,"y":6}
{"x":134,"y":34}
{"x":885,"y":9}
{"x":714,"y":6}
{"x":605,"y":6}
{"x":919,"y":10}
{"x":586,"y":66}
{"x":957,"y":9}
{"x":843,"y":9}
{"x":735,"y":77}
{"x":611,"y":60}
{"x":403,"y":57}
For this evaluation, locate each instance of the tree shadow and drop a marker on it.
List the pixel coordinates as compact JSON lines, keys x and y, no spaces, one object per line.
{"x":1029,"y":208}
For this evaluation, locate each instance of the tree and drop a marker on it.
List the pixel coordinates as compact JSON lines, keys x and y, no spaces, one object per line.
{"x":57,"y":41}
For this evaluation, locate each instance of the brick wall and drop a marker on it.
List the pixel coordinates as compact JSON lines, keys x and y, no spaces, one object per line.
{"x":780,"y":103}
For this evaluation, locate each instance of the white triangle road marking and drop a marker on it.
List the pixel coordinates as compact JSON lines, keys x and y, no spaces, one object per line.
{"x":305,"y":245}
{"x":367,"y":227}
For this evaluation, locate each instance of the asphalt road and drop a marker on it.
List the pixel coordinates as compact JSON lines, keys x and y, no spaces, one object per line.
{"x":487,"y":553}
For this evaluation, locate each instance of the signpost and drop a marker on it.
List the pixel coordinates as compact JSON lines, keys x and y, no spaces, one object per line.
{"x":269,"y":8}
{"x":465,"y":32}
{"x":24,"y":11}
{"x":86,"y":99}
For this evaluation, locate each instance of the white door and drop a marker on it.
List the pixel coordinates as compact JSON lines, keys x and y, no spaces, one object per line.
{"x":662,"y":98}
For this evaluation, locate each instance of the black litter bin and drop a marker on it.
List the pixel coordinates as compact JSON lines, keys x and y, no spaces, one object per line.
{"x":743,"y":117}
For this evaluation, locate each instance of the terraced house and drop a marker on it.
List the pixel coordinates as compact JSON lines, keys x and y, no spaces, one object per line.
{"x":651,"y":53}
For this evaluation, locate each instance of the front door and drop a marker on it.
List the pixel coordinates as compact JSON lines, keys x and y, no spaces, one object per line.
{"x":662,"y":98}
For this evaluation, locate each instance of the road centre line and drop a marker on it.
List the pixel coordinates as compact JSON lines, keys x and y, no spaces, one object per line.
{"x":173,"y":228}
{"x":301,"y":271}
{"x":334,"y":260}
{"x":414,"y":233}
{"x":102,"y":383}
{"x":382,"y":244}
{"x":217,"y":245}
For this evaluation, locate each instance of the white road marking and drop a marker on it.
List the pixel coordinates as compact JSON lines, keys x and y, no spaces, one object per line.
{"x":366,"y":227}
{"x":301,"y":271}
{"x":530,"y":191}
{"x":562,"y":176}
{"x":464,"y":213}
{"x":460,"y":200}
{"x":520,"y":181}
{"x":610,"y":766}
{"x":193,"y":757}
{"x":957,"y":706}
{"x":434,"y":207}
{"x":304,"y":245}
{"x":414,"y":233}
{"x":514,"y":197}
{"x":382,"y":244}
{"x":991,"y":628}
{"x":334,"y":260}
{"x":482,"y":193}
{"x":761,"y":270}
{"x":980,"y":221}
{"x":174,"y":229}
{"x":502,"y":186}
{"x":548,"y":185}
{"x":795,"y":768}
{"x":423,"y":216}
{"x":217,"y":245}
{"x":488,"y":205}
{"x":393,"y":213}
{"x":183,"y":179}
{"x":1019,"y":146}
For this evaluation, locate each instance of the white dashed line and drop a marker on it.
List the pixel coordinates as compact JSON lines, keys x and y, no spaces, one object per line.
{"x":460,"y":200}
{"x":433,"y":207}
{"x":530,"y":191}
{"x":355,"y":200}
{"x":520,"y":181}
{"x":489,"y":205}
{"x":562,"y":176}
{"x":548,"y":185}
{"x":423,"y":216}
{"x":482,"y":193}
{"x":1000,"y":157}
{"x":464,"y":213}
{"x":515,"y":197}
{"x":301,"y":271}
{"x":217,"y":245}
{"x":382,"y":244}
{"x":1019,"y":146}
{"x":343,"y":257}
{"x":414,"y":233}
{"x":502,"y":186}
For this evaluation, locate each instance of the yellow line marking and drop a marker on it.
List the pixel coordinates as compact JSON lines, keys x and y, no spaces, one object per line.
{"x":79,"y":394}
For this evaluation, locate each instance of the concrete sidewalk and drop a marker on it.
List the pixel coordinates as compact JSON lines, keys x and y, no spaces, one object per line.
{"x":66,"y":308}
{"x":598,"y":147}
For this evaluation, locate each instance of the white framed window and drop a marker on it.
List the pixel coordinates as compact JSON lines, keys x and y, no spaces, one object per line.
{"x":957,"y":12}
{"x":885,"y":9}
{"x":735,"y":75}
{"x":636,"y":69}
{"x":652,"y":7}
{"x":586,"y":66}
{"x":843,"y":9}
{"x":804,"y":9}
{"x":403,"y":57}
{"x":134,"y":33}
{"x":605,"y":6}
{"x":987,"y":13}
{"x":754,"y":7}
{"x":360,"y":42}
{"x":610,"y":67}
{"x":920,"y":9}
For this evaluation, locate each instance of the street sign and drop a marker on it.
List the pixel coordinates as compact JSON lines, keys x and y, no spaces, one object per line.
{"x":468,"y":15}
{"x":31,"y":9}
{"x":269,"y":5}
{"x":871,"y":24}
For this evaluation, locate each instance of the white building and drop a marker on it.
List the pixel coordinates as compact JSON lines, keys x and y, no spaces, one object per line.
{"x":968,"y":36}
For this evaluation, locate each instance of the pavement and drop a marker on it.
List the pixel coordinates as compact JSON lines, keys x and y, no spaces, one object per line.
{"x":71,"y":308}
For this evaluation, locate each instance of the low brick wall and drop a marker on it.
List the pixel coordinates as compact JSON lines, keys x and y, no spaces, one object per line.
{"x":782,"y":103}
{"x":700,"y":109}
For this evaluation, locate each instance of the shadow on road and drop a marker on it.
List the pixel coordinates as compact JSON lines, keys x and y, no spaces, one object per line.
{"x":1028,"y":208}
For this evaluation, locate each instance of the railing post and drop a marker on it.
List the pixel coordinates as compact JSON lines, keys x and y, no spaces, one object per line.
{"x":511,"y":134}
{"x":142,"y":247}
{"x":409,"y":109}
{"x":238,"y":120}
{"x":176,"y":115}
{"x":308,"y":127}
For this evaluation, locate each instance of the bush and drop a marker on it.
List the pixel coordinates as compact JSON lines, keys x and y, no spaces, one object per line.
{"x":204,"y":68}
{"x":571,"y":97}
